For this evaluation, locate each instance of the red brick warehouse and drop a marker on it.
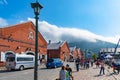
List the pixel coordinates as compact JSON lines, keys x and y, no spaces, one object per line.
{"x":20,"y":39}
{"x":59,"y":50}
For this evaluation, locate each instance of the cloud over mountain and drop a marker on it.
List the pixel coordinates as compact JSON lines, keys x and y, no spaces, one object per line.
{"x":56,"y":33}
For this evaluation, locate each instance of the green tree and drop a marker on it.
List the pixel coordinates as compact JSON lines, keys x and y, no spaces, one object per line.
{"x":94,"y":56}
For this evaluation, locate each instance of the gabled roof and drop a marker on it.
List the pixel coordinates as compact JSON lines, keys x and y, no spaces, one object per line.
{"x":54,"y":45}
{"x":72,"y":48}
{"x":11,"y":31}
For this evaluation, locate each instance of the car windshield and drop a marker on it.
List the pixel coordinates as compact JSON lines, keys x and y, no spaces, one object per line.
{"x":11,"y":59}
{"x":50,"y":60}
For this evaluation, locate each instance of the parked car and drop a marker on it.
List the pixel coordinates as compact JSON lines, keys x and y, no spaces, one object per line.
{"x":54,"y":63}
{"x":118,"y":61}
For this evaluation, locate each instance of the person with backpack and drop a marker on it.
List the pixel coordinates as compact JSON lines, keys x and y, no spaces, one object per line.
{"x":69,"y":73}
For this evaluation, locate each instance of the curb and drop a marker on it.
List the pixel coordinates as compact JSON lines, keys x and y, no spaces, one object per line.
{"x":2,"y":68}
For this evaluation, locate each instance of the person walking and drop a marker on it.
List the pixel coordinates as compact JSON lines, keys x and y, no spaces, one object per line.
{"x":69,"y":70}
{"x":114,"y":66}
{"x":62,"y":74}
{"x":87,"y":64}
{"x":97,"y":63}
{"x":92,"y":62}
{"x":77,"y":62}
{"x":102,"y":68}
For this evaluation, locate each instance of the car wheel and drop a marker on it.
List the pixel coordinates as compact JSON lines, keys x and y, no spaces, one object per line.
{"x":47,"y":67}
{"x":21,"y":68}
{"x":55,"y":66}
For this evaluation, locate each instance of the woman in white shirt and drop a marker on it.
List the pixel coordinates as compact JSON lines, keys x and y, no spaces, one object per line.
{"x":62,"y":74}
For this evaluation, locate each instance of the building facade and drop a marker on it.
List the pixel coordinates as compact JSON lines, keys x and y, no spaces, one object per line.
{"x":59,"y":50}
{"x":20,"y":39}
{"x":76,"y":53}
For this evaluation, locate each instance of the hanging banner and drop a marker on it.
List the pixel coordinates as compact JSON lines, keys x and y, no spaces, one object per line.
{"x":2,"y":56}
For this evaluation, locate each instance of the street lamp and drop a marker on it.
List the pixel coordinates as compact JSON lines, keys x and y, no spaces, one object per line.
{"x":36,"y":6}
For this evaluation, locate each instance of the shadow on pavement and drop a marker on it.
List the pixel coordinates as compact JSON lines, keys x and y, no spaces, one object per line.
{"x":42,"y":68}
{"x":112,"y":74}
{"x":97,"y":75}
{"x":5,"y":71}
{"x":74,"y":71}
{"x":95,"y":68}
{"x":83,"y":69}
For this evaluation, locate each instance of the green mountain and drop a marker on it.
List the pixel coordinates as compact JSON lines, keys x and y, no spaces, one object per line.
{"x":92,"y":46}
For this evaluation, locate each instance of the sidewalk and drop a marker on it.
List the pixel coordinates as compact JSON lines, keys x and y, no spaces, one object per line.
{"x":93,"y":74}
{"x":2,"y":68}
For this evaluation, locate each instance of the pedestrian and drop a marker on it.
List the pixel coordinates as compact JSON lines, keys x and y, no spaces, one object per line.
{"x":92,"y":63}
{"x":97,"y":63}
{"x":77,"y":63}
{"x":102,"y":67}
{"x":114,"y":66}
{"x":118,"y":68}
{"x":69,"y":70}
{"x":62,"y":74}
{"x":82,"y":63}
{"x":87,"y":64}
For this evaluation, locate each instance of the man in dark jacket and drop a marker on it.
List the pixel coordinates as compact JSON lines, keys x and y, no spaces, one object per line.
{"x":77,"y":62}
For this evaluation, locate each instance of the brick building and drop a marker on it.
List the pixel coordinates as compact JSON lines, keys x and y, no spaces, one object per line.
{"x":59,"y":50}
{"x":20,"y":39}
{"x":75,"y":53}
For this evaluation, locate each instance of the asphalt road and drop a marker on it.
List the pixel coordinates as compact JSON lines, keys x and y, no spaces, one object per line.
{"x":28,"y":74}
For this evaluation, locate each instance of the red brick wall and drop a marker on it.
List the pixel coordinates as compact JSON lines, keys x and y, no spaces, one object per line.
{"x":65,"y":51}
{"x":2,"y":64}
{"x":53,"y":54}
{"x":75,"y":52}
{"x":60,"y":53}
{"x":16,"y":38}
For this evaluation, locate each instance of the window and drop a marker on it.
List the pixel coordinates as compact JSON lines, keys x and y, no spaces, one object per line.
{"x":31,"y":35}
{"x":43,"y":56}
{"x":11,"y":59}
{"x":24,"y":59}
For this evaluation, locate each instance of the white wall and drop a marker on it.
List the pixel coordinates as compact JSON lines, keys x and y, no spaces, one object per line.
{"x":2,"y":56}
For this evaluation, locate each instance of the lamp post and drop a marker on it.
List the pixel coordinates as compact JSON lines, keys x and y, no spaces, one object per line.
{"x":36,"y":6}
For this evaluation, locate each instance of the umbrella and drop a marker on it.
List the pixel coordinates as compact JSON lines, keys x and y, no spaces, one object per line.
{"x":109,"y":56}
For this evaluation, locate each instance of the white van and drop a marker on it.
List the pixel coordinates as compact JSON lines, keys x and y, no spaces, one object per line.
{"x":19,"y":61}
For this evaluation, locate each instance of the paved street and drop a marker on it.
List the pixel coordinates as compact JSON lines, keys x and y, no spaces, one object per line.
{"x":43,"y":74}
{"x":93,"y":74}
{"x":52,"y":74}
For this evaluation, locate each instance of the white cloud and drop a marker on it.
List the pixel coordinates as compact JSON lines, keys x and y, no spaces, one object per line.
{"x":22,"y":21}
{"x":3,"y":22}
{"x":56,"y":33}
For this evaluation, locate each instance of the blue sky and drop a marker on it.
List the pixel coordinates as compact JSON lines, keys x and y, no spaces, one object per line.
{"x":101,"y":17}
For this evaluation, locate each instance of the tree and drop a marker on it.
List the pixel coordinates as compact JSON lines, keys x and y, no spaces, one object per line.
{"x":94,"y":56}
